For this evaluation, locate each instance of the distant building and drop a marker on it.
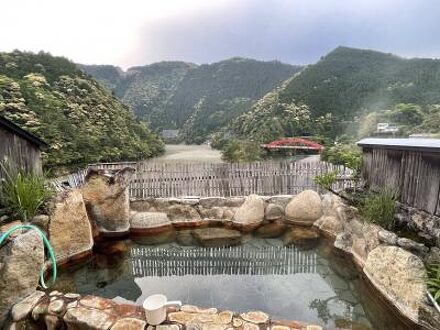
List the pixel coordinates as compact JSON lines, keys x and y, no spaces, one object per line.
{"x":19,"y":149}
{"x":386,"y":129}
{"x":170,"y":134}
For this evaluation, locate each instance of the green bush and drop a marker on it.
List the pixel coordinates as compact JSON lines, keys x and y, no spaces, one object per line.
{"x":238,"y":151}
{"x":434,"y":281}
{"x":378,"y":207}
{"x":326,"y":180}
{"x":348,"y":155}
{"x":219,"y":140}
{"x":24,"y":194}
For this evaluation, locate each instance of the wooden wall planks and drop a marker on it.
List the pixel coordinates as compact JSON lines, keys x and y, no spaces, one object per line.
{"x":414,"y":174}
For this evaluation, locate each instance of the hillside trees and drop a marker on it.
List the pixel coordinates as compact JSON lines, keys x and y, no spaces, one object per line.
{"x":80,"y":120}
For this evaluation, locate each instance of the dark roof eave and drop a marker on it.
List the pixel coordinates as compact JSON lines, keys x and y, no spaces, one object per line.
{"x":411,"y":144}
{"x":21,"y":132}
{"x":401,"y":148}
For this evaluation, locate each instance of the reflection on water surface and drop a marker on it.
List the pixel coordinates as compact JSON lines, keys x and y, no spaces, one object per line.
{"x":286,"y":282}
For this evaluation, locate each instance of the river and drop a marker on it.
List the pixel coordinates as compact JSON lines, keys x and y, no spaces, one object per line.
{"x":192,"y":153}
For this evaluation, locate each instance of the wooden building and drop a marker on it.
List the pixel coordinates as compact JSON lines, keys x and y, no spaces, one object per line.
{"x":410,"y":166}
{"x":19,"y":149}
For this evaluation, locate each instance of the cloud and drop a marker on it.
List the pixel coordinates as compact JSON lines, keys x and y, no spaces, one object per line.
{"x":135,"y":32}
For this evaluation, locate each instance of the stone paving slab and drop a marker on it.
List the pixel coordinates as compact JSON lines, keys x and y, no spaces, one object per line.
{"x":72,"y":311}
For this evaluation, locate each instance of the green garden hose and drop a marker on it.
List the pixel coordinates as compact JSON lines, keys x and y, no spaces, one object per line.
{"x":48,"y":246}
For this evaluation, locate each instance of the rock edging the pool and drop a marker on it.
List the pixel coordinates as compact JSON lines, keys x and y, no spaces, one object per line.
{"x":73,"y":311}
{"x":391,"y":265}
{"x":395,"y":271}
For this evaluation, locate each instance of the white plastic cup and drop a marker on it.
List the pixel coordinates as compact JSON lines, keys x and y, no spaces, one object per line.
{"x":155,"y":307}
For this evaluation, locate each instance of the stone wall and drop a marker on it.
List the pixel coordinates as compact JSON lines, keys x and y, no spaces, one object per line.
{"x":242,"y":213}
{"x":72,"y":311}
{"x":300,"y":219}
{"x":393,"y":265}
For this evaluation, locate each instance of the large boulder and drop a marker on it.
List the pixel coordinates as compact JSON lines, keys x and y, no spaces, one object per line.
{"x":273,"y":212}
{"x":21,"y":261}
{"x":364,"y":240}
{"x":184,"y":216}
{"x":305,"y":208}
{"x":400,"y":276}
{"x":107,"y":200}
{"x":217,"y":236}
{"x":214,"y":213}
{"x":249,"y":215}
{"x":151,"y":228}
{"x":329,"y":225}
{"x":148,"y":223}
{"x":70,"y":231}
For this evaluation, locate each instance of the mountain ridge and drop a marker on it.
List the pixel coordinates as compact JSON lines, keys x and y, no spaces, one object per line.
{"x":345,"y":86}
{"x":174,"y":94}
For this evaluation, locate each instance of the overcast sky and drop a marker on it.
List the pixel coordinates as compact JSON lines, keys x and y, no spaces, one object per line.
{"x":137,"y":32}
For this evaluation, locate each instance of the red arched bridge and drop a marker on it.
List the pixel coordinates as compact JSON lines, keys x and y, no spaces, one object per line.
{"x":294,"y":144}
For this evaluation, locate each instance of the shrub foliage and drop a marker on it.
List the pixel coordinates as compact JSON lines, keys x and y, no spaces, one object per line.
{"x":237,"y":151}
{"x":24,"y":194}
{"x":378,"y":207}
{"x":434,"y":281}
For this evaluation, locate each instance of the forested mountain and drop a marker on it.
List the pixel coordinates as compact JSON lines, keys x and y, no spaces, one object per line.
{"x":107,"y":75}
{"x":197,"y":99}
{"x":348,"y":80}
{"x":79,"y":119}
{"x":348,"y":91}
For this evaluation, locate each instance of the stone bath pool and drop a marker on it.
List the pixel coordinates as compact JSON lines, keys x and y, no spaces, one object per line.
{"x":288,"y":282}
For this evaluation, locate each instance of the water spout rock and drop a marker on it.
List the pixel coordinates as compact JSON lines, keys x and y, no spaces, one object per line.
{"x":107,"y":200}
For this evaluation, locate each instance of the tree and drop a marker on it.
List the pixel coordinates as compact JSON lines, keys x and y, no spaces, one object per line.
{"x":237,"y":151}
{"x":407,"y":114}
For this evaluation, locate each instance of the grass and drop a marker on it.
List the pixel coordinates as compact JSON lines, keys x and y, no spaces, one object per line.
{"x":378,"y":207}
{"x":24,"y":194}
{"x":434,"y":281}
